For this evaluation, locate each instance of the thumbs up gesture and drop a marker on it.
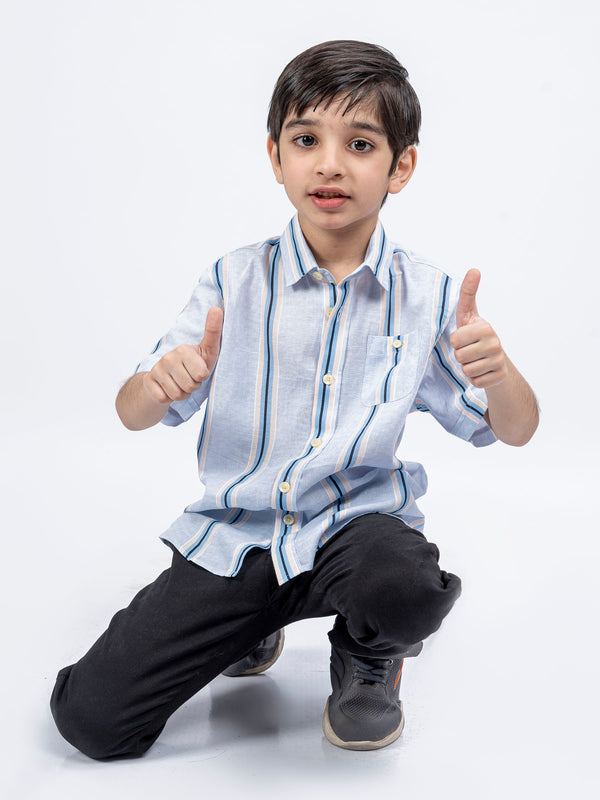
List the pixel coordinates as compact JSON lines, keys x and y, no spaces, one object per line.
{"x":476,"y":346}
{"x":183,"y":370}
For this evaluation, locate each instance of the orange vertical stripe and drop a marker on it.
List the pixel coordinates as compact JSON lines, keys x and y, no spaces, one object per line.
{"x":398,"y":676}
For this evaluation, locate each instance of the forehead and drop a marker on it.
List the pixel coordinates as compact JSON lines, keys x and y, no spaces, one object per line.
{"x":339,"y":112}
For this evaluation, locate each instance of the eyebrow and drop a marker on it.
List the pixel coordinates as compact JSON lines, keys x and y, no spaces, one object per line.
{"x":302,"y":122}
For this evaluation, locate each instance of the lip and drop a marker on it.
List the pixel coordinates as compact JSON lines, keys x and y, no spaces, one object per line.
{"x":334,"y":197}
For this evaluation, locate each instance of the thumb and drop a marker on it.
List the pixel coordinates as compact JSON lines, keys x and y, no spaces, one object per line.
{"x":466,"y":310}
{"x":211,"y":342}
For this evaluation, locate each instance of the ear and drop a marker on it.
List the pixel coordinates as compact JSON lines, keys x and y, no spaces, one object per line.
{"x":404,"y":170}
{"x":274,"y":158}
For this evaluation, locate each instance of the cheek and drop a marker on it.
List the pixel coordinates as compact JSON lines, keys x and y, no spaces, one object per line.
{"x":292,"y":179}
{"x":378,"y":191}
{"x":376,"y":179}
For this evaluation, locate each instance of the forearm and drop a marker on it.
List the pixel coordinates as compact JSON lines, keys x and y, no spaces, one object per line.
{"x":136,"y":408}
{"x":512,"y":408}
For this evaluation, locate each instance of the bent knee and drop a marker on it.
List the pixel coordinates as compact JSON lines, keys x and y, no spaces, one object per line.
{"x":91,"y":727}
{"x":412,"y":606}
{"x":420,"y":608}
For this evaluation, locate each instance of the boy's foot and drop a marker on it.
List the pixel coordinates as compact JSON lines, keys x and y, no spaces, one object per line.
{"x":364,"y":711}
{"x":264,"y":655}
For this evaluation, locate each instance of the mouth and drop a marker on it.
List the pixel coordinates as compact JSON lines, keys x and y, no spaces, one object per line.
{"x":329,"y":199}
{"x":327,"y":195}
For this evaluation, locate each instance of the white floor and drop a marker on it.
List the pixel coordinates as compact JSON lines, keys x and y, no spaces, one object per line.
{"x":502,"y":702}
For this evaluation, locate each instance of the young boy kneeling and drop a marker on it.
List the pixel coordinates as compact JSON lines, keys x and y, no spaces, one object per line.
{"x":305,"y":354}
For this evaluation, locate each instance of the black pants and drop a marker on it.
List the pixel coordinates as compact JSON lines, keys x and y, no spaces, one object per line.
{"x":380,"y":577}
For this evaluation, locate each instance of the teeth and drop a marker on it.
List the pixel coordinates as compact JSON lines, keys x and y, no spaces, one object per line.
{"x":328,"y":195}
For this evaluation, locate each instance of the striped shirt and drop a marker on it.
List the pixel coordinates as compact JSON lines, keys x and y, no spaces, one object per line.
{"x":303,"y":415}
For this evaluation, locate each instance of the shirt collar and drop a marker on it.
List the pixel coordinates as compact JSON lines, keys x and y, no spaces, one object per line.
{"x":299,"y":261}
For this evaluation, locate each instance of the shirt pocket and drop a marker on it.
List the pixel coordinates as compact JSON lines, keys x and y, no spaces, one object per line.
{"x":390,"y":368}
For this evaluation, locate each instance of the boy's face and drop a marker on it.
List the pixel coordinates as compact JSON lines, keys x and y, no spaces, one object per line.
{"x":337,"y":168}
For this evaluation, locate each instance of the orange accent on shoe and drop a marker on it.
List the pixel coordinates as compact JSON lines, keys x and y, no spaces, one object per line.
{"x":398,"y":676}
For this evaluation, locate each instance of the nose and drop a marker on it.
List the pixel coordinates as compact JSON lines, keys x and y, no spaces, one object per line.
{"x":330,"y":162}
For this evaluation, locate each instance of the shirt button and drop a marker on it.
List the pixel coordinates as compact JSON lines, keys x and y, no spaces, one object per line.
{"x":318,"y":275}
{"x":328,"y":311}
{"x":397,"y":344}
{"x":288,"y":519}
{"x":284,"y":487}
{"x":316,"y":442}
{"x":328,"y":379}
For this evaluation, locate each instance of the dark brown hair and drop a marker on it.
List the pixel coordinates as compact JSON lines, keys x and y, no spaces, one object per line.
{"x":353,"y":73}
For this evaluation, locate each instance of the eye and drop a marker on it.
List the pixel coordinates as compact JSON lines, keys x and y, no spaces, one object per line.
{"x":360,"y":146}
{"x":305,"y":140}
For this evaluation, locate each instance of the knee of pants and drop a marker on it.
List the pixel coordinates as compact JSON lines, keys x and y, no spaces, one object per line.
{"x":408,"y":602}
{"x":89,"y":725}
{"x":423,"y":606}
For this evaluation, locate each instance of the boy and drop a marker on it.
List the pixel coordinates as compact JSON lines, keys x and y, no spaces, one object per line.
{"x":306,"y":353}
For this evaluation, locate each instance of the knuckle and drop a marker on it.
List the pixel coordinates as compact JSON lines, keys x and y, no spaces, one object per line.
{"x":154,"y":392}
{"x":191,"y":384}
{"x":167,"y":360}
{"x":157,"y":392}
{"x":199,"y":375}
{"x":197,"y":369}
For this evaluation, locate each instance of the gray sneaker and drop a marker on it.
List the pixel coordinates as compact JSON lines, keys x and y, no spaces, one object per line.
{"x":264,"y":655}
{"x":364,"y":711}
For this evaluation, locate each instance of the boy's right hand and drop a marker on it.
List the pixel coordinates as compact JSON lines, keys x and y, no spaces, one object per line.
{"x":181,"y":371}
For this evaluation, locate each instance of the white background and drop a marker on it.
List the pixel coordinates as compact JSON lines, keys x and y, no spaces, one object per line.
{"x":132,"y":153}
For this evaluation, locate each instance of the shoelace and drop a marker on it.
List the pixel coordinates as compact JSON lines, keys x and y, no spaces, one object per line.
{"x":372,"y":670}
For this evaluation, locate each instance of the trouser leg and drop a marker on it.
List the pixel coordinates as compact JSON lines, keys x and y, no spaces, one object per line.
{"x":176,"y":635}
{"x":378,"y":576}
{"x":383,"y":580}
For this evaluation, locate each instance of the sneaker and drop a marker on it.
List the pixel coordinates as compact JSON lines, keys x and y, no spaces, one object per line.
{"x":264,"y":655}
{"x":364,"y":711}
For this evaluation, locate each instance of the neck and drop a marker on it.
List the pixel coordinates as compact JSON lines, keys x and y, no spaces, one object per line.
{"x":338,"y":251}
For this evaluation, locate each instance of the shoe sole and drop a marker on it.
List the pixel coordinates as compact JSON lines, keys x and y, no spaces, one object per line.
{"x":331,"y":735}
{"x":264,"y":667}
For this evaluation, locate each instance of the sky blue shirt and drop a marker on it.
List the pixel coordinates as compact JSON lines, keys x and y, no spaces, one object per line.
{"x":303,"y":415}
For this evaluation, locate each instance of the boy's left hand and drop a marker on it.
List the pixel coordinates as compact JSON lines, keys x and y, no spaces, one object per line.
{"x":476,"y":346}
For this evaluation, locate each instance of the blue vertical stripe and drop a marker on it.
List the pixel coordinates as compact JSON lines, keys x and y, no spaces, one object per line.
{"x":267,"y":388}
{"x":324,"y":392}
{"x":284,"y":565}
{"x":442,"y":307}
{"x":301,"y":267}
{"x":218,"y":275}
{"x":380,"y":260}
{"x":460,"y":384}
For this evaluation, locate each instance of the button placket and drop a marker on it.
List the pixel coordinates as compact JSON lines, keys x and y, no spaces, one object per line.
{"x":333,"y":303}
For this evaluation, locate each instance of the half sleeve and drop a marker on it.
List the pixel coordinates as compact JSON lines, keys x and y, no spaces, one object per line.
{"x":448,"y":395}
{"x":188,"y":329}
